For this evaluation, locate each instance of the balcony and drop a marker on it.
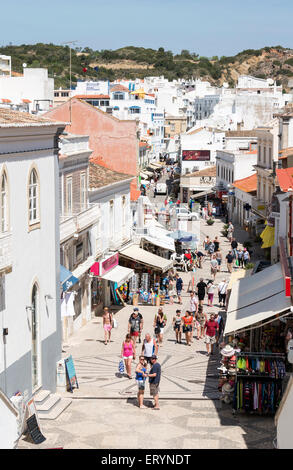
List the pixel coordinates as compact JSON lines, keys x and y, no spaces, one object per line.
{"x":79,"y":221}
{"x":5,"y":251}
{"x":260,"y":207}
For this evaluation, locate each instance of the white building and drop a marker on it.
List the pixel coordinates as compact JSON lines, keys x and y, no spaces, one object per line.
{"x":29,"y":261}
{"x":199,"y":148}
{"x":33,"y":92}
{"x":78,"y":221}
{"x":111,"y":190}
{"x":5,"y":65}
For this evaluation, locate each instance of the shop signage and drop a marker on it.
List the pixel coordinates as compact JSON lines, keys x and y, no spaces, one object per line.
{"x":109,"y":264}
{"x":261,"y":207}
{"x":196,"y":155}
{"x":70,"y":372}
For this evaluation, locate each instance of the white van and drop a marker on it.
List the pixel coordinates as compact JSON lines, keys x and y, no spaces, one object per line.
{"x":161,"y":188}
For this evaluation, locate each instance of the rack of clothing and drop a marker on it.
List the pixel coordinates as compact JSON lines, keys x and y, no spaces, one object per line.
{"x":259,"y":382}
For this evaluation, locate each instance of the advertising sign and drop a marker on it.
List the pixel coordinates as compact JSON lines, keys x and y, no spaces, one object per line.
{"x":109,"y":264}
{"x":196,"y":155}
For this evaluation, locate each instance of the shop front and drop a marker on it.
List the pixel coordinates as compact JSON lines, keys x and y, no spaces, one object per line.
{"x":254,"y":361}
{"x":110,"y":282}
{"x":149,"y":269}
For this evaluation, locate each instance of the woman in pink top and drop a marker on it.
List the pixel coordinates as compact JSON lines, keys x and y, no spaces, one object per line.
{"x":128,"y":353}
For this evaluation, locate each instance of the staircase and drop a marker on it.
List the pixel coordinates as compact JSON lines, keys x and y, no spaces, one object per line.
{"x":50,"y":405}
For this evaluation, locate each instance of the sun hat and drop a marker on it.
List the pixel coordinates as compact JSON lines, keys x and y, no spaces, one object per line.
{"x":227,"y":388}
{"x":228,"y":351}
{"x":154,"y":356}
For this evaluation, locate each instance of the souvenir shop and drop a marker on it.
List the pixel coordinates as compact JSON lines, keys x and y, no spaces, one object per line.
{"x":254,"y":360}
{"x":149,"y":271}
{"x":109,"y":283}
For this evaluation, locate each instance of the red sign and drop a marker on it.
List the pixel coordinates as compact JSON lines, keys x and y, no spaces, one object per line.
{"x":95,"y":269}
{"x":287,"y":286}
{"x":196,"y":155}
{"x":109,"y":264}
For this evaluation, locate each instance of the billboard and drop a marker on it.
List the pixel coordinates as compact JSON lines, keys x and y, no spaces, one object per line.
{"x":196,"y":155}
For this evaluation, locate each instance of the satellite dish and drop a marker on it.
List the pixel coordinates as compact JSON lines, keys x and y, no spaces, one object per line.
{"x":270,"y":81}
{"x":24,"y":65}
{"x":225,"y":85}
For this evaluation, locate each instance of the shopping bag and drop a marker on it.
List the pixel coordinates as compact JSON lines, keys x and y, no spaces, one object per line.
{"x":115,"y":323}
{"x":237,"y":262}
{"x":121,"y":367}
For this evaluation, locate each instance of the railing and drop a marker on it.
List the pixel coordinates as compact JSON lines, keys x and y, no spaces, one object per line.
{"x":5,"y":251}
{"x":76,"y":222}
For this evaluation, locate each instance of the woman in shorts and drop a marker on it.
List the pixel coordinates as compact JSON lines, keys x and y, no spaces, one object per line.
{"x":201,"y":318}
{"x":187,"y":324}
{"x":160,"y":321}
{"x":141,"y":375}
{"x":177,"y":326}
{"x":210,"y":290}
{"x":128,"y":353}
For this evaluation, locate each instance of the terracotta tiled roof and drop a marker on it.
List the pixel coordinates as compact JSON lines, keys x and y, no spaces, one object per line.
{"x":248,"y":133}
{"x":119,"y":87}
{"x":248,"y":185}
{"x":92,"y":97}
{"x":10,"y":118}
{"x":25,"y":100}
{"x":285,"y":178}
{"x":5,"y":100}
{"x":284,"y":153}
{"x":210,"y":171}
{"x":100,"y":176}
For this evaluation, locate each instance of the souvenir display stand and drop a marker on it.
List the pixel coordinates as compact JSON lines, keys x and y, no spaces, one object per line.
{"x":258,"y":382}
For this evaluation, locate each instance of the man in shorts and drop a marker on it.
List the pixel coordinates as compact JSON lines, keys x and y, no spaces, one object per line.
{"x":154,"y":380}
{"x":211,"y":328}
{"x":149,"y":348}
{"x":135,"y":325}
{"x":179,"y":287}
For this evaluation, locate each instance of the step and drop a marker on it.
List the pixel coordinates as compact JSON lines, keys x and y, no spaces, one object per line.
{"x":41,"y":396}
{"x":46,"y":406}
{"x":56,"y":411}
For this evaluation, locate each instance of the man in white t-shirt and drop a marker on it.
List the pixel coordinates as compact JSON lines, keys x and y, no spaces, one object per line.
{"x":222,"y":291}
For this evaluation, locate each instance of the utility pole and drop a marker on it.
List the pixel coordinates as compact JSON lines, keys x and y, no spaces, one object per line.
{"x":69,"y":43}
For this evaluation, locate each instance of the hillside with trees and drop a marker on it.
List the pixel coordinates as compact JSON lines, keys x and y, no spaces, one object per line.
{"x":132,"y":62}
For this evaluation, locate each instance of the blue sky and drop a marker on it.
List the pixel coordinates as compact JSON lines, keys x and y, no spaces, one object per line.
{"x":207,"y":27}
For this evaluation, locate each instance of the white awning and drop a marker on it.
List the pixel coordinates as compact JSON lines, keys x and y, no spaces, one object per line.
{"x":256,"y":298}
{"x":118,"y":274}
{"x":203,"y":193}
{"x":83,"y":267}
{"x":135,"y":253}
{"x":161,"y":242}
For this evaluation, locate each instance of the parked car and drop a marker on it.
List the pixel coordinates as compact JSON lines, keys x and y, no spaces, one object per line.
{"x":184,"y":214}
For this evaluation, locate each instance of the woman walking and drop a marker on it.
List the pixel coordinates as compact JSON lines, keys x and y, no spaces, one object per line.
{"x":171,"y":290}
{"x":206,"y":244}
{"x":201,"y":318}
{"x":128,"y":353}
{"x":210,"y":290}
{"x":187,"y":322}
{"x":214,"y":266}
{"x":160,"y":321}
{"x":177,"y":321}
{"x":141,"y":375}
{"x":107,"y":324}
{"x":219,"y":259}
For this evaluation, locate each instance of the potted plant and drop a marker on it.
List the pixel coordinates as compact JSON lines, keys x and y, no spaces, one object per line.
{"x":210,"y":221}
{"x":249,"y":266}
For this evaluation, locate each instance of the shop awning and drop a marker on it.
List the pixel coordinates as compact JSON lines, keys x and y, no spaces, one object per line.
{"x":239,"y":274}
{"x":137,"y":254}
{"x":118,"y":274}
{"x":256,"y":298}
{"x":163,"y":242}
{"x":67,"y":279}
{"x":83,"y":267}
{"x":268,"y":237}
{"x":154,"y":166}
{"x":144,"y":175}
{"x":203,"y":193}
